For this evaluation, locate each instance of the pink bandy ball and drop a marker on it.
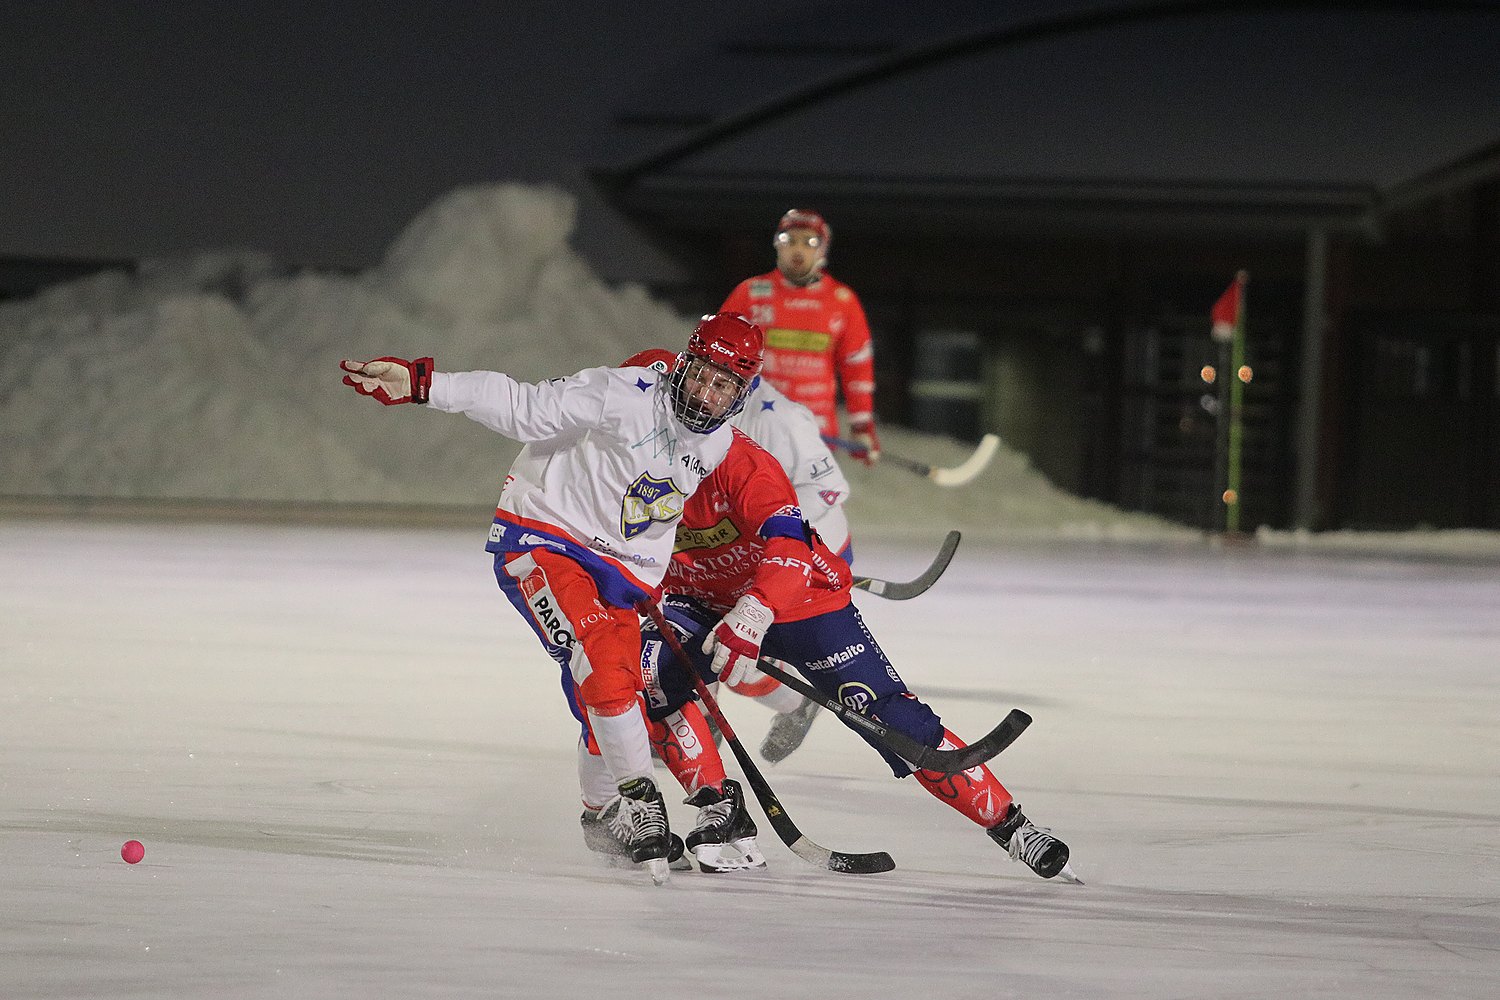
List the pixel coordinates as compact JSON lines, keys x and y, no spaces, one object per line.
{"x":133,"y":851}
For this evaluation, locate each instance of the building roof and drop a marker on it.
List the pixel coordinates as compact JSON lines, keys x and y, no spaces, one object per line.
{"x":1249,"y":116}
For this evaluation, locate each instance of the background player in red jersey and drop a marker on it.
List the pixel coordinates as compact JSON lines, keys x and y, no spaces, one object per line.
{"x":817,"y":338}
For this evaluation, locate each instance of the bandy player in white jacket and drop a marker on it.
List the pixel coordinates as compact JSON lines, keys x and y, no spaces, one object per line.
{"x":587,"y":517}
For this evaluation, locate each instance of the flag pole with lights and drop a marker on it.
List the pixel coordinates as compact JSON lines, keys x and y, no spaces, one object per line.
{"x":1229,"y":327}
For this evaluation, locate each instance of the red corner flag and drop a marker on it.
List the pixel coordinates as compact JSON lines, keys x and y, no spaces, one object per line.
{"x":1228,"y":315}
{"x":1226,"y":311}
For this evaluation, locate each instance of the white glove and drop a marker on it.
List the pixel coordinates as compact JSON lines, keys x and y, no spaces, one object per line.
{"x":735,"y":641}
{"x":390,"y":380}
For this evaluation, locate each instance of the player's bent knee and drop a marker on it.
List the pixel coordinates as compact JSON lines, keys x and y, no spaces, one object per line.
{"x":668,"y":685}
{"x":609,"y":692}
{"x":906,"y":712}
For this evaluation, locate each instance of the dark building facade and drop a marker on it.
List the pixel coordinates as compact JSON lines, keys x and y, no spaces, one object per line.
{"x":1061,"y":298}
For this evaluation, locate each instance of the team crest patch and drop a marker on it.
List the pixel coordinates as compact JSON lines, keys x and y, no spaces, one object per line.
{"x":647,"y":500}
{"x":830,"y":497}
{"x":760,"y":288}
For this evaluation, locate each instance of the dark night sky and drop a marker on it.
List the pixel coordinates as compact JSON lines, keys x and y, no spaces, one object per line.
{"x":295,"y":128}
{"x":314,"y":134}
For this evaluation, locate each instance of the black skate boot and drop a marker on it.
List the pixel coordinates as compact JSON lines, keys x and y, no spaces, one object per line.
{"x":598,"y":838}
{"x":637,"y":818}
{"x":724,"y":839}
{"x":1041,"y":852}
{"x":788,"y":730}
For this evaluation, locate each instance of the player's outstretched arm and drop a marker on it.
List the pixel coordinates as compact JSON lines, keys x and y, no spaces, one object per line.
{"x":390,"y":380}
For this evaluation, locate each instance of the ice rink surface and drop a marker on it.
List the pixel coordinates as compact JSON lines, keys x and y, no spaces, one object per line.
{"x":353,"y":774}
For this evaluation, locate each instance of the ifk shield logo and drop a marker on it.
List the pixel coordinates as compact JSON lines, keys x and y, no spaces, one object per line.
{"x":649,"y":499}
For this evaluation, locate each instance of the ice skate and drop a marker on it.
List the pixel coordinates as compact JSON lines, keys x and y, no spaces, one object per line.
{"x":788,"y":730}
{"x":724,"y":839}
{"x":1033,"y":845}
{"x":598,"y":838}
{"x":637,"y":818}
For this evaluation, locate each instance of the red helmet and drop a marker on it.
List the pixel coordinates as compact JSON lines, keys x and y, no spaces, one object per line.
{"x":801,"y":218}
{"x":731,"y":341}
{"x":650,"y":357}
{"x":715,"y":374}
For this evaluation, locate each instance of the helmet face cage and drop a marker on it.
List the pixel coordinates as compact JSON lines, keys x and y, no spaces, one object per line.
{"x":714,"y":375}
{"x":704,"y":394}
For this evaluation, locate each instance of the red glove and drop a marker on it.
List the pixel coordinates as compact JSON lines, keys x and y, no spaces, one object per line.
{"x":735,"y":641}
{"x":390,"y":380}
{"x":862,"y":429}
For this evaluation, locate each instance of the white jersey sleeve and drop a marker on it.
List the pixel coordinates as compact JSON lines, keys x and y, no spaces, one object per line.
{"x":519,"y":410}
{"x":790,"y":432}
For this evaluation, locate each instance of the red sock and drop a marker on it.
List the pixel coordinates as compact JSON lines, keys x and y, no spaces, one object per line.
{"x":686,"y":746}
{"x":976,"y":792}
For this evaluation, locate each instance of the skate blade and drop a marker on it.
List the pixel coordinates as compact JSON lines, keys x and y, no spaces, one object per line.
{"x":677,"y":855}
{"x":680,"y":861}
{"x":1067,"y":875}
{"x":738,"y":856}
{"x":659,"y":870}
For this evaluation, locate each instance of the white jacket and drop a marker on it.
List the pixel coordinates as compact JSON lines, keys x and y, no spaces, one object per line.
{"x":603,"y":475}
{"x":793,"y":434}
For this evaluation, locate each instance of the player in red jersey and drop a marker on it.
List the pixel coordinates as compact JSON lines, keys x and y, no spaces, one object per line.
{"x":749,"y":574}
{"x":789,"y":431}
{"x":816,"y":333}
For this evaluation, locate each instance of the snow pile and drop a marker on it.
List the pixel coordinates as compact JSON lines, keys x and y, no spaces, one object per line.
{"x":1008,"y":500}
{"x":216,"y":378}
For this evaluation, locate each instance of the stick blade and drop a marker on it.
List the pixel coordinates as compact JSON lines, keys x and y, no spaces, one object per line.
{"x":939,"y":563}
{"x":976,"y":753}
{"x":893,"y":590}
{"x":843,"y":862}
{"x":964,"y":473}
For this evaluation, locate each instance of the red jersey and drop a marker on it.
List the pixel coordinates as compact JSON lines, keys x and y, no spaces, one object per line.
{"x":742,"y":533}
{"x":813,"y":332}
